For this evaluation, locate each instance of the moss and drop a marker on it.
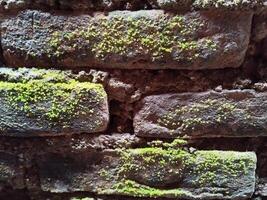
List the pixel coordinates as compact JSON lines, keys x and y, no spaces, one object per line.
{"x":205,"y":112}
{"x":208,"y":4}
{"x":153,"y":163}
{"x":176,"y":143}
{"x":56,"y":102}
{"x":53,"y":75}
{"x":131,"y":188}
{"x":229,"y":4}
{"x":201,"y":169}
{"x":156,"y":39}
{"x":105,"y":174}
{"x":210,"y":166}
{"x":152,"y":155}
{"x":27,"y":74}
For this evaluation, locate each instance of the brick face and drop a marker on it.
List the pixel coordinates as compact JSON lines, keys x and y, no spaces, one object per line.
{"x":149,"y":39}
{"x":229,"y":113}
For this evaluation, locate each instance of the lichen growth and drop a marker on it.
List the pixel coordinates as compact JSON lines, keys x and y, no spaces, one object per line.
{"x":55,"y":102}
{"x":166,"y":37}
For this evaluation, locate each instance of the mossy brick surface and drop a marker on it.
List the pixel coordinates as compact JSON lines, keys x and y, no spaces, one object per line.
{"x":48,"y":102}
{"x":147,"y":39}
{"x":153,"y":172}
{"x":230,"y":113}
{"x":8,"y":6}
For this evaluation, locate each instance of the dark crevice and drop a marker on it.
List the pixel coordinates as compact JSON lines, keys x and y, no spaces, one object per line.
{"x":9,"y":193}
{"x":2,"y":61}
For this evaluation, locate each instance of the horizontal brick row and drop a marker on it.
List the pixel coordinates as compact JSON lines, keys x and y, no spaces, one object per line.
{"x":229,"y":113}
{"x":100,"y":5}
{"x":150,"y":172}
{"x":52,"y":102}
{"x":148,"y":39}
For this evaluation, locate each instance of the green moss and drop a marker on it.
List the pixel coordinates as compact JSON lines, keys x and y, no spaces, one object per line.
{"x":131,"y":188}
{"x":155,"y":162}
{"x":210,"y":166}
{"x":142,"y":172}
{"x":207,"y":167}
{"x":54,"y":75}
{"x":27,"y":74}
{"x":177,"y":143}
{"x":56,"y":102}
{"x":106,"y":175}
{"x":152,"y":155}
{"x":156,"y":39}
{"x":205,"y":4}
{"x":198,"y":114}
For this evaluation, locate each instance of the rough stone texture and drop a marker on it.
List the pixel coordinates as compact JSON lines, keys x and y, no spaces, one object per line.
{"x":49,"y":103}
{"x":197,"y":40}
{"x":234,"y":113}
{"x":195,"y":47}
{"x":11,"y":172}
{"x":210,"y":4}
{"x":149,"y":172}
{"x":262,"y":188}
{"x":107,"y":5}
{"x":259,"y":30}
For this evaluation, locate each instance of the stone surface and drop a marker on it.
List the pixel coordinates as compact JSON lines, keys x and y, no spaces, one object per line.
{"x":152,"y":172}
{"x":230,"y":113}
{"x":143,"y":73}
{"x":262,"y":187}
{"x":100,"y":5}
{"x":11,"y":172}
{"x":142,"y":39}
{"x":209,"y":4}
{"x":39,"y":102}
{"x":259,"y":30}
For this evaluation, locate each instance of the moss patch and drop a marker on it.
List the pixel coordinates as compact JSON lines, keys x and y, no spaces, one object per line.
{"x":229,"y":4}
{"x":148,"y":157}
{"x":131,"y":188}
{"x":165,"y":37}
{"x":55,"y":102}
{"x":207,"y":169}
{"x":210,"y":166}
{"x":203,"y":113}
{"x":27,"y":74}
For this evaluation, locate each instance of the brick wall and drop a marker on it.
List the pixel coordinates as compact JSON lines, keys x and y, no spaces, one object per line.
{"x":133,"y":99}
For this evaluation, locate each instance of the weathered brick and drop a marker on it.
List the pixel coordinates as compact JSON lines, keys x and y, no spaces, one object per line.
{"x":148,"y":39}
{"x":46,"y":102}
{"x":230,"y":113}
{"x":100,"y":5}
{"x":153,"y":172}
